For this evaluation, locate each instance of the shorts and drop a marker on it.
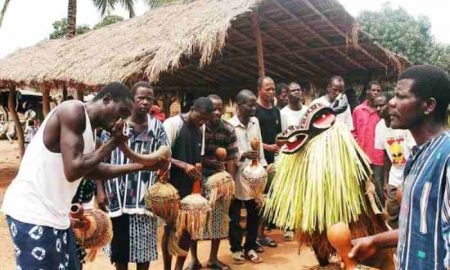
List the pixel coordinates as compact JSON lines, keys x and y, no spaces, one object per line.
{"x":42,"y":247}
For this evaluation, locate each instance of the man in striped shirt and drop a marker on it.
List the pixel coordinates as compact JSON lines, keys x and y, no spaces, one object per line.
{"x":421,"y":99}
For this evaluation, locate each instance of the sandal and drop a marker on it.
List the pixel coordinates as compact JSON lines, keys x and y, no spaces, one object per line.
{"x":218,"y":265}
{"x":268,"y":242}
{"x":253,"y":256}
{"x":238,"y":257}
{"x":193,"y":266}
{"x":258,"y":248}
{"x":288,"y":236}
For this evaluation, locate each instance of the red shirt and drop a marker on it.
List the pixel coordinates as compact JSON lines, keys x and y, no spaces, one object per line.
{"x":365,"y":120}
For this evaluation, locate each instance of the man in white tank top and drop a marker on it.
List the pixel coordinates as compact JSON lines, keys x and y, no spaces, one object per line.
{"x":37,"y":202}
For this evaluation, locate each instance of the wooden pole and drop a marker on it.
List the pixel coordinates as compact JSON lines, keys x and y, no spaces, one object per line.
{"x":259,"y":45}
{"x":80,"y":95}
{"x":64,"y":93}
{"x":45,"y":101}
{"x":13,"y":112}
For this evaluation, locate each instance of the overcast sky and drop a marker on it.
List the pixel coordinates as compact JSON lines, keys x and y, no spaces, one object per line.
{"x":30,"y":21}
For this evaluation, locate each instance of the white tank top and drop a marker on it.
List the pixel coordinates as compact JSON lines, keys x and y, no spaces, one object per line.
{"x":40,"y":194}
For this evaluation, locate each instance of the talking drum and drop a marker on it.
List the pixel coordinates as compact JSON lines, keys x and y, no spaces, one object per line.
{"x":96,"y":232}
{"x":254,"y":176}
{"x":220,"y":185}
{"x":162,"y":199}
{"x":194,"y":211}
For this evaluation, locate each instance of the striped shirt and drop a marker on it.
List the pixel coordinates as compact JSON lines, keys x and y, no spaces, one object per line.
{"x":223,"y":135}
{"x":424,"y":223}
{"x":126,"y":193}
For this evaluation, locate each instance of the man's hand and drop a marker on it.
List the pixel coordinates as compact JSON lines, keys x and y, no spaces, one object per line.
{"x":214,"y":164}
{"x":252,"y":155}
{"x":192,"y":171}
{"x":163,"y":163}
{"x":77,"y":223}
{"x":102,"y":201}
{"x":117,"y":132}
{"x":272,"y":148}
{"x":363,"y":248}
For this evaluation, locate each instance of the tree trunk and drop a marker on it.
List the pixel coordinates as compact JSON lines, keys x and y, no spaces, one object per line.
{"x":80,"y":94}
{"x":64,"y":93}
{"x":2,"y":13}
{"x":71,"y":19}
{"x":13,"y":112}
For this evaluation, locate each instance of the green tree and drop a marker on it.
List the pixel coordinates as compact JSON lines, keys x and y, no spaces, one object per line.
{"x":402,"y":33}
{"x":107,"y":20}
{"x":60,"y":29}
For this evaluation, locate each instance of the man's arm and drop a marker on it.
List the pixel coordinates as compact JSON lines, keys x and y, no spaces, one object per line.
{"x":189,"y":169}
{"x":72,"y":125}
{"x":366,"y":247}
{"x":104,"y":171}
{"x":231,"y":167}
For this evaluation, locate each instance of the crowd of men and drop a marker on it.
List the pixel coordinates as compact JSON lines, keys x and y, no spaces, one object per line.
{"x":405,"y":138}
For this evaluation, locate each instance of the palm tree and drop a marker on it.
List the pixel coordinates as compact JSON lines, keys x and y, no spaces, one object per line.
{"x":2,"y":13}
{"x":102,"y":5}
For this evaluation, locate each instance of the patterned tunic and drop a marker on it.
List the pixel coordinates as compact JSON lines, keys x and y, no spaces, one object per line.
{"x":126,"y":196}
{"x":424,"y":223}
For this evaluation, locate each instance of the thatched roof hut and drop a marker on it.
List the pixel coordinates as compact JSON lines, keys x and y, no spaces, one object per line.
{"x":207,"y":44}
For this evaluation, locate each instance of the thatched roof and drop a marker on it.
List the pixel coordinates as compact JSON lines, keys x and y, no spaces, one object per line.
{"x":303,"y":39}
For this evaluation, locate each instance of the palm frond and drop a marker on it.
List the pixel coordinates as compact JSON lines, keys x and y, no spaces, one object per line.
{"x":129,"y":6}
{"x":104,"y":5}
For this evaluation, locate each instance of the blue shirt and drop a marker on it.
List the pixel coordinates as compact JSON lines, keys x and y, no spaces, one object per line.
{"x":424,"y":223}
{"x":126,"y":193}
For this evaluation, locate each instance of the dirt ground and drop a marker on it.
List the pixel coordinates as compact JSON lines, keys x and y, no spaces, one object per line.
{"x":286,"y":256}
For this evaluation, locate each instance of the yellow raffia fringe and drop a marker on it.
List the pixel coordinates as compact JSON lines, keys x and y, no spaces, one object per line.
{"x":193,"y":216}
{"x":173,"y":247}
{"x":320,"y":185}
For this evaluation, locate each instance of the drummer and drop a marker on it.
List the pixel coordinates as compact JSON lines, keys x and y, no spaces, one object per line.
{"x":247,"y":127}
{"x":185,"y":137}
{"x":37,"y":202}
{"x":218,"y":133}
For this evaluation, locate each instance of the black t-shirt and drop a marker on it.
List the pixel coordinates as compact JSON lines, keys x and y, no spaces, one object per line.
{"x":270,"y":123}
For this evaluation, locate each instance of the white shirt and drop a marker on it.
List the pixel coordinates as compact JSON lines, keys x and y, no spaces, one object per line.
{"x":243,"y":135}
{"x":398,"y":144}
{"x":173,"y":125}
{"x":290,"y":117}
{"x":41,"y":194}
{"x":345,"y":117}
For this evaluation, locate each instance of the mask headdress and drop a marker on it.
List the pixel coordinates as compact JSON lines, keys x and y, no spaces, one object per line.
{"x":317,"y":119}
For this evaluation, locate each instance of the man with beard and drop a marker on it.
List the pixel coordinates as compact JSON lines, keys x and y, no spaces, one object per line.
{"x":422,"y":95}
